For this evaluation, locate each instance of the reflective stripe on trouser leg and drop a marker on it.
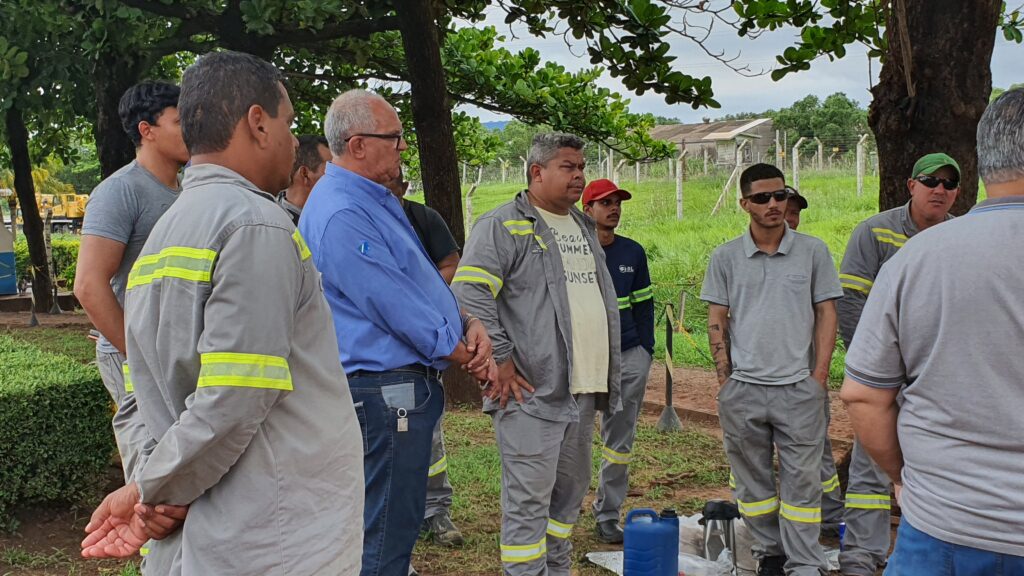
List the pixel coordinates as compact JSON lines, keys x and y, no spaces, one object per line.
{"x":439,"y":490}
{"x":866,"y":543}
{"x":748,"y":445}
{"x":799,"y":431}
{"x":572,"y":481}
{"x":617,"y":434}
{"x":529,"y":449}
{"x":831,"y":495}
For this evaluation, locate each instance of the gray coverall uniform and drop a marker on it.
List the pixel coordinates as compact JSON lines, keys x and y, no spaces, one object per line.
{"x":511,"y":277}
{"x":234,"y":364}
{"x":873,"y":243}
{"x":771,"y":400}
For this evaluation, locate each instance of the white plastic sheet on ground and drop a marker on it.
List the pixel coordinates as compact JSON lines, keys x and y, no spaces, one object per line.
{"x":688,"y":564}
{"x":693,"y":565}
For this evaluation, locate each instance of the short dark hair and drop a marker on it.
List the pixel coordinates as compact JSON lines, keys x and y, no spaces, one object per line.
{"x":144,"y":102}
{"x":217,"y":92}
{"x":760,"y":171}
{"x":308,"y":152}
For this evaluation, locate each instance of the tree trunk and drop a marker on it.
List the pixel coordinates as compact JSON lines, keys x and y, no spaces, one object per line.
{"x":933,"y":88}
{"x":17,"y":142}
{"x":431,"y":112}
{"x":113,"y":78}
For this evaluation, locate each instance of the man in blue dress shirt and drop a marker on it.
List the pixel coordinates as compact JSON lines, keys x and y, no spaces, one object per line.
{"x":397,"y":322}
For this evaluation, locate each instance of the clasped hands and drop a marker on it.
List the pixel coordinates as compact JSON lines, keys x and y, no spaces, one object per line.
{"x":122,"y":524}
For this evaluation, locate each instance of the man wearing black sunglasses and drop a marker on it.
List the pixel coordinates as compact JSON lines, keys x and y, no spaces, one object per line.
{"x":771,"y":318}
{"x":934,"y":184}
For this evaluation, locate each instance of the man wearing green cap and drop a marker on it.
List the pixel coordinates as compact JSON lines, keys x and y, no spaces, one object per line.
{"x":934,"y":184}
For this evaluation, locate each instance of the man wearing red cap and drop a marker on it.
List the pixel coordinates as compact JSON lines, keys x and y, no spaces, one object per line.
{"x":627,"y":264}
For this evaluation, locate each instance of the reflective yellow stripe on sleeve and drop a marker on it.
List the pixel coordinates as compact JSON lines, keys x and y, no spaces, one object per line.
{"x":529,"y":552}
{"x":624,"y":302}
{"x":244,"y":370}
{"x":559,"y":529}
{"x":856,"y":283}
{"x":800,"y":514}
{"x":194,"y":264}
{"x":642,"y":294}
{"x":304,"y":252}
{"x":759,"y":508}
{"x":614,"y":457}
{"x":128,"y":387}
{"x":889,"y":237}
{"x":732,"y":480}
{"x":479,"y":276}
{"x":438,"y":467}
{"x":868,"y":501}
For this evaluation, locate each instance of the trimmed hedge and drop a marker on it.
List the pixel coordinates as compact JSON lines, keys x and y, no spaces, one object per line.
{"x":55,"y":435}
{"x":65,"y":256}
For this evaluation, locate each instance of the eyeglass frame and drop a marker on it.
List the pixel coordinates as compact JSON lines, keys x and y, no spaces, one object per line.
{"x":398,"y":137}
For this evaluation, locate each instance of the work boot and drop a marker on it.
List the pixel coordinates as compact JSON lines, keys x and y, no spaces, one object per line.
{"x":442,"y":530}
{"x":771,"y":566}
{"x":609,"y":532}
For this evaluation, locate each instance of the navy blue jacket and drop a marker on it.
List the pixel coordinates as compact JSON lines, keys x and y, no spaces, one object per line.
{"x":627,"y":263}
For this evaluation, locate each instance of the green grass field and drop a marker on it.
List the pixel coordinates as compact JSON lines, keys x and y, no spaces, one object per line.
{"x":679,"y":250}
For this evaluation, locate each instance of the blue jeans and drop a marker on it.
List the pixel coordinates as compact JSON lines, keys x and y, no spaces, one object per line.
{"x":918,"y":554}
{"x":395,"y":463}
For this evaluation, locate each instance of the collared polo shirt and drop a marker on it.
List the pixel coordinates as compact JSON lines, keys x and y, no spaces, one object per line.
{"x":945,"y":319}
{"x":771,"y":300}
{"x":391,"y":307}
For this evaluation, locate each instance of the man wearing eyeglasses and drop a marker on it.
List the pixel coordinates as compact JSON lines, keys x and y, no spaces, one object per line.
{"x":398,"y":324}
{"x":771,"y":317}
{"x":934,"y":184}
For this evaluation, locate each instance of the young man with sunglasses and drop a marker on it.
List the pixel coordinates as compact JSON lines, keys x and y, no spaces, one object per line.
{"x":770,"y":296}
{"x":934,"y":184}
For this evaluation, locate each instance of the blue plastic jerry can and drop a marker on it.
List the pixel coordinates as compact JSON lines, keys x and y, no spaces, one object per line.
{"x":651,"y":546}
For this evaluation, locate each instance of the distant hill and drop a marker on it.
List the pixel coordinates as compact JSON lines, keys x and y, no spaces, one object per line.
{"x":495,"y":124}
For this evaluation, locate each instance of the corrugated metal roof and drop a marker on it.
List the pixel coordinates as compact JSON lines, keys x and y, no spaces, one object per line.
{"x":705,"y":132}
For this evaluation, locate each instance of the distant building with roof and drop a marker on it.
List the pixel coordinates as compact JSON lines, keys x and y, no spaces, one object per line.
{"x":720,"y":139}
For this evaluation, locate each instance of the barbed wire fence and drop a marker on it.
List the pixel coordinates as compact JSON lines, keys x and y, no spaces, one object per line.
{"x":843,"y":157}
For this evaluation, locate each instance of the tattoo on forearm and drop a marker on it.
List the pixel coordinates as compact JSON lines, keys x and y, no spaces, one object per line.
{"x":719,"y":343}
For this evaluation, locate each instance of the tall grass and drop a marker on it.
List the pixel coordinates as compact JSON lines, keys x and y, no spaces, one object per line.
{"x":678,"y":251}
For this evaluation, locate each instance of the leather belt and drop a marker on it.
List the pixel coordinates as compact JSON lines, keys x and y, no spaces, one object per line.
{"x":412,"y":368}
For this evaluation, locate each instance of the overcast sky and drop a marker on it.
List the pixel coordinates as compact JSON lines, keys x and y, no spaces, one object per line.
{"x":737,"y":93}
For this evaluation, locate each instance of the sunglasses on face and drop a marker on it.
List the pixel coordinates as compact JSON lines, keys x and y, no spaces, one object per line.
{"x":765,"y":197}
{"x":932,"y":182}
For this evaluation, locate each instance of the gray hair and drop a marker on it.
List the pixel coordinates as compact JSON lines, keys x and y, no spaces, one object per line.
{"x":1001,"y":139}
{"x":546,"y":146}
{"x":349,"y":114}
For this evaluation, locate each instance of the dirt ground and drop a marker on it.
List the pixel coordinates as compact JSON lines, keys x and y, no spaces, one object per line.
{"x":22,"y":319}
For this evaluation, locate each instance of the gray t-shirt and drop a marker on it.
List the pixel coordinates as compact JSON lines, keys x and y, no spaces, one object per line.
{"x":124,"y":208}
{"x":945,"y":318}
{"x":771,"y":302}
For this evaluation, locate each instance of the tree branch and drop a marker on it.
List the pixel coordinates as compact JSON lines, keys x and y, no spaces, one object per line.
{"x":361,"y":28}
{"x":205,"y":19}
